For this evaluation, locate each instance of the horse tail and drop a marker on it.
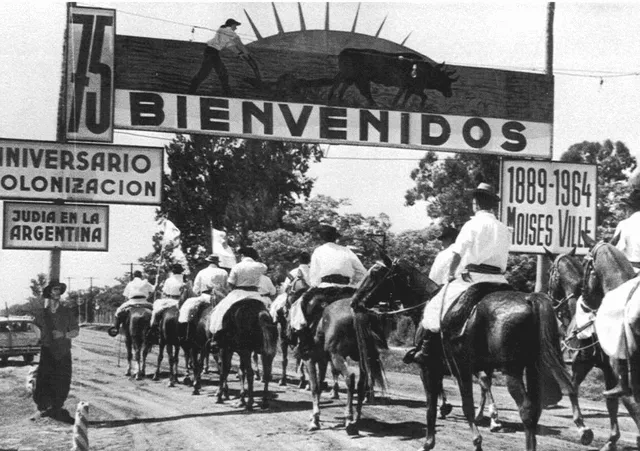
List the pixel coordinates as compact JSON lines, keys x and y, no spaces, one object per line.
{"x":369,"y":356}
{"x":553,"y":373}
{"x":269,"y":333}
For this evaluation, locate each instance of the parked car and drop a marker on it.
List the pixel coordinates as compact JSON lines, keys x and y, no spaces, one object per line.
{"x":19,"y":336}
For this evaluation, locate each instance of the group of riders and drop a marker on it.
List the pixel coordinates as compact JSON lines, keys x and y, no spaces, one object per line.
{"x":475,"y":254}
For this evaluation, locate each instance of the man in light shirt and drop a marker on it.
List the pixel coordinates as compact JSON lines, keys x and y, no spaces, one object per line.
{"x":626,"y":236}
{"x":137,"y":293}
{"x":225,"y":38}
{"x":244,"y":280}
{"x":212,"y":280}
{"x":481,"y":250}
{"x":334,"y":273}
{"x":439,"y":272}
{"x":172,"y":290}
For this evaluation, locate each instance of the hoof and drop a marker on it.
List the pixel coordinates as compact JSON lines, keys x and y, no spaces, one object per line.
{"x":302,"y":385}
{"x":139,"y":376}
{"x":313,"y":426}
{"x":128,"y":373}
{"x":171,"y":384}
{"x":352,"y":429}
{"x":335,"y":394}
{"x":495,"y":426}
{"x":587,"y":437}
{"x":195,"y":392}
{"x":187,"y":380}
{"x":219,"y":400}
{"x":445,"y":409}
{"x":156,"y":378}
{"x":283,"y":382}
{"x":264,"y":405}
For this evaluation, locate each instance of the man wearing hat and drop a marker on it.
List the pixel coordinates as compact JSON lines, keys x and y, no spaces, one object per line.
{"x":172,"y":290}
{"x":225,"y":38}
{"x":480,"y":254}
{"x":627,"y":239}
{"x":137,"y":293}
{"x":626,"y":236}
{"x":439,"y":272}
{"x":59,"y":325}
{"x":334,"y":273}
{"x":212,"y":280}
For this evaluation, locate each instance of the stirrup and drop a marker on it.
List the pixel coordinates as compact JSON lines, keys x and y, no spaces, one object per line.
{"x":113,"y":331}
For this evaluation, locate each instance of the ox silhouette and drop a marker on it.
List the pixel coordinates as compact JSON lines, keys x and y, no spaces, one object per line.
{"x":407,"y":71}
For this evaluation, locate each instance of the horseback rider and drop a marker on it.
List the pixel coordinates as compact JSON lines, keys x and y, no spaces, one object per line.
{"x":244,"y":280}
{"x":210,"y":286}
{"x":172,"y":290}
{"x":334,"y":270}
{"x":299,"y":272}
{"x":482,"y":249}
{"x":625,"y":238}
{"x":137,"y":292}
{"x":440,"y":269}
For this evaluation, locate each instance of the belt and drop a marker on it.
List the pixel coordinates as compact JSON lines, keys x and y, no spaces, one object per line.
{"x":635,"y":264}
{"x":172,"y":296}
{"x":483,"y":269}
{"x":138,"y":297}
{"x":335,"y":278}
{"x":207,"y":291}
{"x":247,"y":288}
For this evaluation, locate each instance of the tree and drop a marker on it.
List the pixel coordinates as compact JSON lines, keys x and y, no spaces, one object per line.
{"x":615,"y":164}
{"x":234,"y":184}
{"x":445,"y":184}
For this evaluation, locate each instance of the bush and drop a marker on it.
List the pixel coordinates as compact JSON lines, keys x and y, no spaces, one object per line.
{"x":402,"y":332}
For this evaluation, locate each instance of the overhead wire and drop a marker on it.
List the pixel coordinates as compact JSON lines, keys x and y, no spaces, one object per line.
{"x":598,"y":74}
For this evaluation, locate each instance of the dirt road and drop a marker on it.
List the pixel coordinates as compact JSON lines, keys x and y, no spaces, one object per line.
{"x":148,"y":415}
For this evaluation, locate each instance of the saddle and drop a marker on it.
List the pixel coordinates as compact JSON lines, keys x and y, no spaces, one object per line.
{"x":316,"y":299}
{"x":456,"y":318}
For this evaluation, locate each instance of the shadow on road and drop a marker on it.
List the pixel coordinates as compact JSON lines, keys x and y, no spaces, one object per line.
{"x":409,"y":430}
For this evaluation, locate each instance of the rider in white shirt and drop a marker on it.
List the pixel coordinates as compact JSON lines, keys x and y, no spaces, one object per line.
{"x":439,"y":272}
{"x":482,"y":250}
{"x":334,"y":264}
{"x":137,"y":292}
{"x":626,"y":236}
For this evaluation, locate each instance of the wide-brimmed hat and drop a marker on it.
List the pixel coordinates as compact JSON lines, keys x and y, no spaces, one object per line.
{"x":177,"y":268}
{"x":449,"y":232}
{"x":54,"y":283}
{"x":328,"y":231}
{"x":231,"y":22}
{"x":212,"y":259}
{"x":633,"y":200}
{"x":484,"y":189}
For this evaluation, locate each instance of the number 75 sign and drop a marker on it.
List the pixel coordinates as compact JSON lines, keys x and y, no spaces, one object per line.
{"x":90,"y":74}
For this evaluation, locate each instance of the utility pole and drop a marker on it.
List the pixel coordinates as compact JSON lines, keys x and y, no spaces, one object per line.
{"x":130,"y":265}
{"x":86,"y":304}
{"x":543,"y":266}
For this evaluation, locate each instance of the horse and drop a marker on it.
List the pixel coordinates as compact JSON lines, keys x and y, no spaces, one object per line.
{"x":247,"y":328}
{"x":506,"y":330}
{"x":169,"y":338}
{"x":197,"y":345}
{"x":606,"y":268}
{"x":136,"y":326}
{"x":280,"y":312}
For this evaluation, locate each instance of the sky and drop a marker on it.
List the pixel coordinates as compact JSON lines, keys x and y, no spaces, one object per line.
{"x":597,"y":92}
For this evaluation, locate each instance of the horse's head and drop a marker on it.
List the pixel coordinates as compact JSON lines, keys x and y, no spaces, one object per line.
{"x":605,"y":268}
{"x":565,"y":284}
{"x":398,"y":279}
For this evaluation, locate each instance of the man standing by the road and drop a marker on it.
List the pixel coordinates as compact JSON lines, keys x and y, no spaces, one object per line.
{"x":59,"y":325}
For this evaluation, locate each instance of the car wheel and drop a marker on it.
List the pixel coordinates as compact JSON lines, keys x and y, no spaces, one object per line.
{"x":28,"y":358}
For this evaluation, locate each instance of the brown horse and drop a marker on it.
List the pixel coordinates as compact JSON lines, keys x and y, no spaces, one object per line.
{"x":168,"y":337}
{"x":606,"y":268}
{"x":136,"y":326}
{"x":247,"y":328}
{"x":507,"y":331}
{"x":197,"y":345}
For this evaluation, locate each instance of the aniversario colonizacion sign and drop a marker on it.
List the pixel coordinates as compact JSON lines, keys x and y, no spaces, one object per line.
{"x":40,"y":170}
{"x":548,"y":204}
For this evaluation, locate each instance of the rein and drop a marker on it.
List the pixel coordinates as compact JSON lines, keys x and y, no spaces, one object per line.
{"x":395,"y":312}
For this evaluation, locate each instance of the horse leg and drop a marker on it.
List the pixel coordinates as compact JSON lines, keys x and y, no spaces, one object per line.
{"x":465,"y":383}
{"x":138,"y":357}
{"x":196,"y":361}
{"x":610,"y":381}
{"x":156,"y":376}
{"x":322,"y":375}
{"x":314,"y":425}
{"x":225,"y":367}
{"x":146,"y":347}
{"x":300,"y":369}
{"x":129,"y":345}
{"x":432,"y":383}
{"x":445,"y":407}
{"x":172,"y":356}
{"x":283,"y":347}
{"x":256,"y":365}
{"x":633,"y":408}
{"x":247,"y":369}
{"x":267,"y":367}
{"x":579,"y":370}
{"x":485,"y":380}
{"x":335,"y":390}
{"x":529,"y":411}
{"x":339,"y":366}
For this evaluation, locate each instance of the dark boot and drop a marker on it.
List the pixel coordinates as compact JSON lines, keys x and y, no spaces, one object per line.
{"x":421,"y":353}
{"x":622,"y":389}
{"x":115,"y":329}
